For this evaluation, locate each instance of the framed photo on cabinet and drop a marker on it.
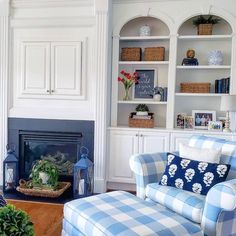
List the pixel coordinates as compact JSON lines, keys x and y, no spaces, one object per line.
{"x":144,"y":89}
{"x":201,"y":118}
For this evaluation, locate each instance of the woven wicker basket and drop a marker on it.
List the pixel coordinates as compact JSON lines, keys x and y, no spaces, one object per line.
{"x":62,"y":187}
{"x":141,"y":123}
{"x":131,"y":54}
{"x":204,"y":29}
{"x":195,"y":87}
{"x":154,"y":54}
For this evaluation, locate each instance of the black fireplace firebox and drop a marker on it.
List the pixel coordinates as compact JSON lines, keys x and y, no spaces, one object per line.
{"x":62,"y":149}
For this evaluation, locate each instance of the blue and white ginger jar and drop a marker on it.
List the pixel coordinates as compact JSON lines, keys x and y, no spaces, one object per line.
{"x":215,"y":57}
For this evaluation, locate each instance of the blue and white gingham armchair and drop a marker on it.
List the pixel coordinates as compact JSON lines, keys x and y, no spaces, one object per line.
{"x":215,"y":212}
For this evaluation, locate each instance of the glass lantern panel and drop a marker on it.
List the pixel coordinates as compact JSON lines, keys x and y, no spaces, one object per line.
{"x":10,"y":175}
{"x":90,"y":180}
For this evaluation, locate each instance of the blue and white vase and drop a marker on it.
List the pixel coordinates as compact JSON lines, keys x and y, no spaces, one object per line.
{"x":215,"y":57}
{"x":145,"y":31}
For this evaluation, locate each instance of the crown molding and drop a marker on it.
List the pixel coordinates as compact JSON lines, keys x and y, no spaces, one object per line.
{"x":55,"y":22}
{"x":50,"y":3}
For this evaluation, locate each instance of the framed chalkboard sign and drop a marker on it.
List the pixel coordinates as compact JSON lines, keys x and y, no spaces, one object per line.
{"x":147,"y":81}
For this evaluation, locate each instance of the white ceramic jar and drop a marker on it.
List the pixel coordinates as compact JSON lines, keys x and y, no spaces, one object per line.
{"x":44,"y":177}
{"x":215,"y":57}
{"x":145,"y":30}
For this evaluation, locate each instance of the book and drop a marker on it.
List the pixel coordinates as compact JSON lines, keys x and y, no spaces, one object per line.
{"x":216,"y":85}
{"x":165,"y":93}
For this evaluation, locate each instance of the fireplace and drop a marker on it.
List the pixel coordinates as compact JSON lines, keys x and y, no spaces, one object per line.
{"x":62,"y":149}
{"x":56,"y":140}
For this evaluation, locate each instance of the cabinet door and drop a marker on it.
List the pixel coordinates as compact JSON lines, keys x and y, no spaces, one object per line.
{"x":34,"y":68}
{"x":151,"y":142}
{"x":177,"y":138}
{"x":123,"y":144}
{"x":66,"y":71}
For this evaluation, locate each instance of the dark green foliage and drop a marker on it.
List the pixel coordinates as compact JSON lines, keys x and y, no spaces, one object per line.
{"x":142,"y":107}
{"x":205,"y":20}
{"x":47,"y":167}
{"x":15,"y":222}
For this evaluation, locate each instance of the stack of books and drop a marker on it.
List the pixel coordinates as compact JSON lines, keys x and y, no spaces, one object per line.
{"x":222,"y":85}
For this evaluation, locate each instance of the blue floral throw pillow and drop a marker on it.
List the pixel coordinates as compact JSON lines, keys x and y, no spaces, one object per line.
{"x":191,"y":175}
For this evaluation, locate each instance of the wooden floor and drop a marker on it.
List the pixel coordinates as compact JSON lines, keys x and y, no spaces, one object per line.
{"x":47,"y":217}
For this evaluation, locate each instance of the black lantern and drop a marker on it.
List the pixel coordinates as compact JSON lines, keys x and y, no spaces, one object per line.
{"x":10,"y":171}
{"x":83,"y":175}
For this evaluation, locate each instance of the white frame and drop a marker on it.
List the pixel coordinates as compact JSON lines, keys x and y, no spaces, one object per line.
{"x":211,"y":123}
{"x":155,"y":84}
{"x":194,"y":112}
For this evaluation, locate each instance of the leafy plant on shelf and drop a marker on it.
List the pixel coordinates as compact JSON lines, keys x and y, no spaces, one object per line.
{"x":15,"y":222}
{"x":48,"y":169}
{"x":142,"y":107}
{"x":205,"y":20}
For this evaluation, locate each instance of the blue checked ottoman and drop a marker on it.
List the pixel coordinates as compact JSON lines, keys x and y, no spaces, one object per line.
{"x":123,"y":214}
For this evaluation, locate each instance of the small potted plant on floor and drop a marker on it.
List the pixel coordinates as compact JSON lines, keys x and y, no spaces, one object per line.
{"x":44,"y":175}
{"x":142,"y":110}
{"x":205,"y":24}
{"x":15,"y":222}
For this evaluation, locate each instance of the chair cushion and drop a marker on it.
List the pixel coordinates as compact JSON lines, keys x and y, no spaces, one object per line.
{"x":187,"y":204}
{"x":193,"y":176}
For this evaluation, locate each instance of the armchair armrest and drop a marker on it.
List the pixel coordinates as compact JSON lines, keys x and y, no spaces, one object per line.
{"x":148,"y":168}
{"x":220,"y":206}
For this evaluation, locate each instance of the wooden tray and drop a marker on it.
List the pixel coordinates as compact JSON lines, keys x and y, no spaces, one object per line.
{"x":62,"y":186}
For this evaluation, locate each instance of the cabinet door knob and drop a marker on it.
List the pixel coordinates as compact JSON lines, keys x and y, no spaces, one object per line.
{"x":52,"y":91}
{"x":136,"y":135}
{"x":141,"y":135}
{"x":48,"y":91}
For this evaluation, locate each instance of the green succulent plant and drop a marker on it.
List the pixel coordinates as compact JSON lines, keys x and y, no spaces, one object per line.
{"x":142,"y":107}
{"x":205,"y":20}
{"x":15,"y":222}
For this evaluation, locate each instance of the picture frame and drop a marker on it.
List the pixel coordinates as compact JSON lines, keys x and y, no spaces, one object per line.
{"x":146,"y":83}
{"x":188,"y":122}
{"x":215,"y":126}
{"x":180,"y":120}
{"x":202,"y":117}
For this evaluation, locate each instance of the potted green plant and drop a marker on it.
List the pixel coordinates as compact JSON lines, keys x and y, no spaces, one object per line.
{"x":142,"y":110}
{"x":15,"y":222}
{"x":205,"y":24}
{"x":44,"y":174}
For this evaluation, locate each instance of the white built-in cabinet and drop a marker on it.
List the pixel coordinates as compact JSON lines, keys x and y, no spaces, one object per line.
{"x":124,"y":143}
{"x":177,"y":36}
{"x":50,"y":69}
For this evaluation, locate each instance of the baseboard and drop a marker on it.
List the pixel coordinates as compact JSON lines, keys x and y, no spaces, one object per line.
{"x":100,"y":186}
{"x":121,"y":186}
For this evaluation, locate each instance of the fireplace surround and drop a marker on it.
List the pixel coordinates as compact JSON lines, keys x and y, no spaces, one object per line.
{"x":57,"y":140}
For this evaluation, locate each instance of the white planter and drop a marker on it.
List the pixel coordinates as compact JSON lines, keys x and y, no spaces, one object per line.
{"x":157,"y":97}
{"x":44,"y":177}
{"x":141,"y":113}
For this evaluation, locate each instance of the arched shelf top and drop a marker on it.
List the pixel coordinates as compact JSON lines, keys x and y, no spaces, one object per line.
{"x":221,"y":28}
{"x":132,"y":27}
